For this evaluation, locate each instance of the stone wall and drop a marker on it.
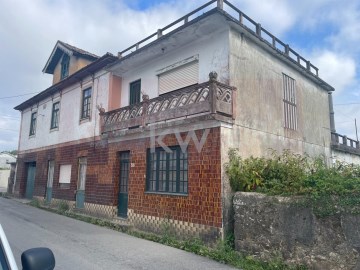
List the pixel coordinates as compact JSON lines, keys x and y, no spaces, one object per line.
{"x":268,"y":226}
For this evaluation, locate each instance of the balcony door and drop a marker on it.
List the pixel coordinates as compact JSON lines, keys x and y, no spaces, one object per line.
{"x":135,"y":92}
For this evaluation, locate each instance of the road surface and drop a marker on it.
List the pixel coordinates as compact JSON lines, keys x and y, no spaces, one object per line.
{"x":79,"y":245}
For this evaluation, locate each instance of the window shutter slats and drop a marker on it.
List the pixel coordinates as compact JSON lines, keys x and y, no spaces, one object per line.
{"x":179,"y":77}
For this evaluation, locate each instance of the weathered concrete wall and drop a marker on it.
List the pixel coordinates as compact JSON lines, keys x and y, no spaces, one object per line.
{"x":266,"y":225}
{"x":258,"y":76}
{"x":345,"y":157}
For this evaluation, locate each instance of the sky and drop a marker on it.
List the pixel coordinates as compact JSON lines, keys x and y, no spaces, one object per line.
{"x":324,"y":31}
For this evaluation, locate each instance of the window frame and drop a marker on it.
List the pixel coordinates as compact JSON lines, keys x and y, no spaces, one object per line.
{"x":65,"y":64}
{"x":55,"y":124}
{"x":290,"y":103}
{"x":154,"y":168}
{"x":137,"y":99}
{"x":86,"y":101}
{"x":65,"y":172}
{"x":33,"y":121}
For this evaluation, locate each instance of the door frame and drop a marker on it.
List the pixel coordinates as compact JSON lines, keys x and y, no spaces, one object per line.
{"x":50,"y":181}
{"x":29,"y":187}
{"x":80,"y":193}
{"x":123,"y":191}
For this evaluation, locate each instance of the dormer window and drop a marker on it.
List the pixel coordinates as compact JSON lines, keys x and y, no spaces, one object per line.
{"x":65,"y":66}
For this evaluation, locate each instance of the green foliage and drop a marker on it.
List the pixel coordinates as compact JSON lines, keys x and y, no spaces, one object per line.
{"x":63,"y":206}
{"x":35,"y":202}
{"x":328,"y":189}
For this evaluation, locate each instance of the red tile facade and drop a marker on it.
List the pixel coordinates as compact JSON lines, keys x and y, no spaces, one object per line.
{"x":202,"y":204}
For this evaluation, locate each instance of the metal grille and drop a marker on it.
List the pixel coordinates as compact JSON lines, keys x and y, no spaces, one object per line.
{"x":290,"y":109}
{"x":180,"y":77}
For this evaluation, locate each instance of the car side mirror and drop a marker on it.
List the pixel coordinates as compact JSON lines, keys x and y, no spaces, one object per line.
{"x":38,"y":259}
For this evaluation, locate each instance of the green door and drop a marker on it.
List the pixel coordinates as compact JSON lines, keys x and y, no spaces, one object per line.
{"x":50,"y":181}
{"x":30,"y":180}
{"x":123,"y":184}
{"x":80,"y":193}
{"x":135,"y":92}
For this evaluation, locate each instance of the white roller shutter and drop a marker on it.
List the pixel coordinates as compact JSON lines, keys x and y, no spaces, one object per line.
{"x":179,"y":77}
{"x":65,"y":174}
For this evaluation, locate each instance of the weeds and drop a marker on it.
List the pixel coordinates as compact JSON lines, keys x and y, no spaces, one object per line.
{"x":63,"y":206}
{"x":329,"y":190}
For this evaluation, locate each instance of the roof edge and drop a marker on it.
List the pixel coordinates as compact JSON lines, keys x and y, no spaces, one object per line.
{"x":93,"y":67}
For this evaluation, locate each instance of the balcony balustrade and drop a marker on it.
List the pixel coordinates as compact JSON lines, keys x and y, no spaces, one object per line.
{"x":211,"y":97}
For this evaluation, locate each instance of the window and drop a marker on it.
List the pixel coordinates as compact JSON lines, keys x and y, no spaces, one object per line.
{"x":167,"y":172}
{"x":135,"y":92}
{"x":33,"y":123}
{"x":55,"y":115}
{"x":179,"y":77}
{"x":65,"y":66}
{"x":86,"y":104}
{"x":65,"y":176}
{"x":290,"y":110}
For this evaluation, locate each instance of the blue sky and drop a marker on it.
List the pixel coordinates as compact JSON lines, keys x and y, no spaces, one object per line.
{"x":324,"y":31}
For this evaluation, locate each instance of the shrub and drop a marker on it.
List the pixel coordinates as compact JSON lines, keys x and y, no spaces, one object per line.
{"x":292,"y":174}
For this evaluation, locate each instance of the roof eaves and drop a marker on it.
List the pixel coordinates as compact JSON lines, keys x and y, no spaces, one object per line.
{"x":99,"y":64}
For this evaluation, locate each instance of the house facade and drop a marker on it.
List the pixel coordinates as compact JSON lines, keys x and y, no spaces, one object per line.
{"x":143,"y":137}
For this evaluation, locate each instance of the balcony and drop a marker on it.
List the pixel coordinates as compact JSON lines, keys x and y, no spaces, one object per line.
{"x":344,"y":144}
{"x":210,"y":98}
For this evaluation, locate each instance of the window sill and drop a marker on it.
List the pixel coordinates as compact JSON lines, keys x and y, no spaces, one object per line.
{"x":32,"y":136}
{"x":84,"y":120}
{"x":167,"y":193}
{"x":54,"y":129}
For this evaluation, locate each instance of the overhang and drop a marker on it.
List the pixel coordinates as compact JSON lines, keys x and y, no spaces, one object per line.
{"x":58,"y":51}
{"x":159,"y":44}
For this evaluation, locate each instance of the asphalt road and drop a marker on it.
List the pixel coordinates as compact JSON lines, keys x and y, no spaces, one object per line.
{"x":79,"y":245}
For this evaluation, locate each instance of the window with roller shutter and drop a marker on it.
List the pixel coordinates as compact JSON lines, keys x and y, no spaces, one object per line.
{"x":179,"y":77}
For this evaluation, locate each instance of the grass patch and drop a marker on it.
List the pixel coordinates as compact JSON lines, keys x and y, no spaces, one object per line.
{"x":222,"y":252}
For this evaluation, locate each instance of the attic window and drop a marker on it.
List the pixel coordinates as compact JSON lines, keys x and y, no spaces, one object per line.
{"x":65,"y":66}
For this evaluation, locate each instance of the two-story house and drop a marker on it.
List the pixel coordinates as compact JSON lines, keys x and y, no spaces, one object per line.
{"x":144,"y":136}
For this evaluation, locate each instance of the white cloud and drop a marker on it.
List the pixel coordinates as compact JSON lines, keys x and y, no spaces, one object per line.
{"x":336,"y":69}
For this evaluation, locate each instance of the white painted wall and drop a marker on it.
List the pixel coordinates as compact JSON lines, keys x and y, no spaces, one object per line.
{"x":70,"y":126}
{"x":345,"y":157}
{"x":258,"y":76}
{"x":213,"y":52}
{"x":5,"y":159}
{"x":4,"y":177}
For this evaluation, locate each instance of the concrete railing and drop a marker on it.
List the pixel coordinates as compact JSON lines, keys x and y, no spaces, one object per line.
{"x":343,"y":143}
{"x":241,"y":18}
{"x":211,"y":97}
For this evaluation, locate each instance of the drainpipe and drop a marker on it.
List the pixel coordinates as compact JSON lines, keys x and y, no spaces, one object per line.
{"x":332,"y":114}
